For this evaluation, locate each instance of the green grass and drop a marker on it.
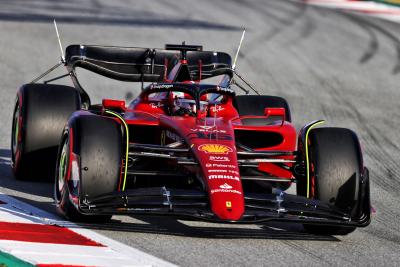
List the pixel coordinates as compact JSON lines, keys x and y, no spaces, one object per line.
{"x":7,"y":260}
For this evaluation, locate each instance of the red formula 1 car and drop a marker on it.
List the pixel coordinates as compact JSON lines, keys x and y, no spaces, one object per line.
{"x":185,"y":146}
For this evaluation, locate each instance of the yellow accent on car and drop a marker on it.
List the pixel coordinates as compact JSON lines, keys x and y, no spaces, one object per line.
{"x":228,"y":204}
{"x":162,"y":141}
{"x":307,"y":158}
{"x":127,"y":143}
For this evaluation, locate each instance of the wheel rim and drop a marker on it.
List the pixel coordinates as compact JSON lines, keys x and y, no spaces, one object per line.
{"x":63,"y":164}
{"x":15,"y":134}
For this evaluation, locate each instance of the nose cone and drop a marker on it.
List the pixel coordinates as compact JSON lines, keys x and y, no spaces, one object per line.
{"x":227,"y":204}
{"x":214,"y":148}
{"x":221,"y":173}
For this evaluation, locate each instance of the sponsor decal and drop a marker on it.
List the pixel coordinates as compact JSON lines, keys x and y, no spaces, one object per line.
{"x":215,"y":165}
{"x":222,"y":171}
{"x":225,"y":186}
{"x":228,"y":177}
{"x":156,"y":105}
{"x":161,"y":86}
{"x":205,"y":128}
{"x":217,"y":170}
{"x":233,"y":191}
{"x":212,"y":135}
{"x":219,"y":158}
{"x":216,"y":109}
{"x":224,"y":89}
{"x":215,"y":149}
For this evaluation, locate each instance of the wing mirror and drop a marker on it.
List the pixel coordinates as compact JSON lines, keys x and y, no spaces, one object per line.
{"x":117,"y":105}
{"x":268,"y":112}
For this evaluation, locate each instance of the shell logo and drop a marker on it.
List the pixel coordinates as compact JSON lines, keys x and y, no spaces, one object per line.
{"x":215,"y":149}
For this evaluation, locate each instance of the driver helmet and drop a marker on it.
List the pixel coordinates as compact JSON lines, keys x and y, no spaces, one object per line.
{"x":185,"y":104}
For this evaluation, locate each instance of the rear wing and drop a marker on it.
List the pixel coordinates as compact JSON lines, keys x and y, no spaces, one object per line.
{"x":144,"y":64}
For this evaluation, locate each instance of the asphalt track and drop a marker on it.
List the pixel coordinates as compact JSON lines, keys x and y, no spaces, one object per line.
{"x":328,"y":64}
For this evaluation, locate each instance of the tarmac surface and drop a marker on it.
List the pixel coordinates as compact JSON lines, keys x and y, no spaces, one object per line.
{"x":342,"y":67}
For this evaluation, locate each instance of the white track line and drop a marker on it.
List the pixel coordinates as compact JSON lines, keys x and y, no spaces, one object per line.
{"x":112,"y":253}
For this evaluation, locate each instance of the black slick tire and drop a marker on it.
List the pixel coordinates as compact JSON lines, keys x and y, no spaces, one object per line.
{"x":97,"y":142}
{"x":336,"y":168}
{"x":40,"y":114}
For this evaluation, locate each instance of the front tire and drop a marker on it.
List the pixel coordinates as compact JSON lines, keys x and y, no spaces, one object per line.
{"x":96,"y":145}
{"x":336,"y":167}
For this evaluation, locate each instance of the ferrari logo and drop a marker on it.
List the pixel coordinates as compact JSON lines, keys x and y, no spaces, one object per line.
{"x":215,"y":149}
{"x":228,"y":204}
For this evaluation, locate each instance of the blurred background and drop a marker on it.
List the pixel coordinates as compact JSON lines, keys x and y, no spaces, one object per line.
{"x":329,"y":64}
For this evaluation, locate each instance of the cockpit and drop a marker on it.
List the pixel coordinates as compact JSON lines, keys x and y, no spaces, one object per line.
{"x":186,"y":99}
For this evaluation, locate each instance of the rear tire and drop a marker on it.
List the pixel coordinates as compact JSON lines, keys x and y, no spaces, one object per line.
{"x":335,"y":173}
{"x":255,"y":105}
{"x":97,"y":142}
{"x":40,"y":114}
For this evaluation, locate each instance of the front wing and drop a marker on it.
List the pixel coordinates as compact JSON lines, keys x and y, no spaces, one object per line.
{"x":275,"y":206}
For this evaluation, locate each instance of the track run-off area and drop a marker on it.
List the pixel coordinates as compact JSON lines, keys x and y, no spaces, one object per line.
{"x":328,"y":63}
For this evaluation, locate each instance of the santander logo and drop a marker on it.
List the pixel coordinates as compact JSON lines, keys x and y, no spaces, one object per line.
{"x":225,"y":186}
